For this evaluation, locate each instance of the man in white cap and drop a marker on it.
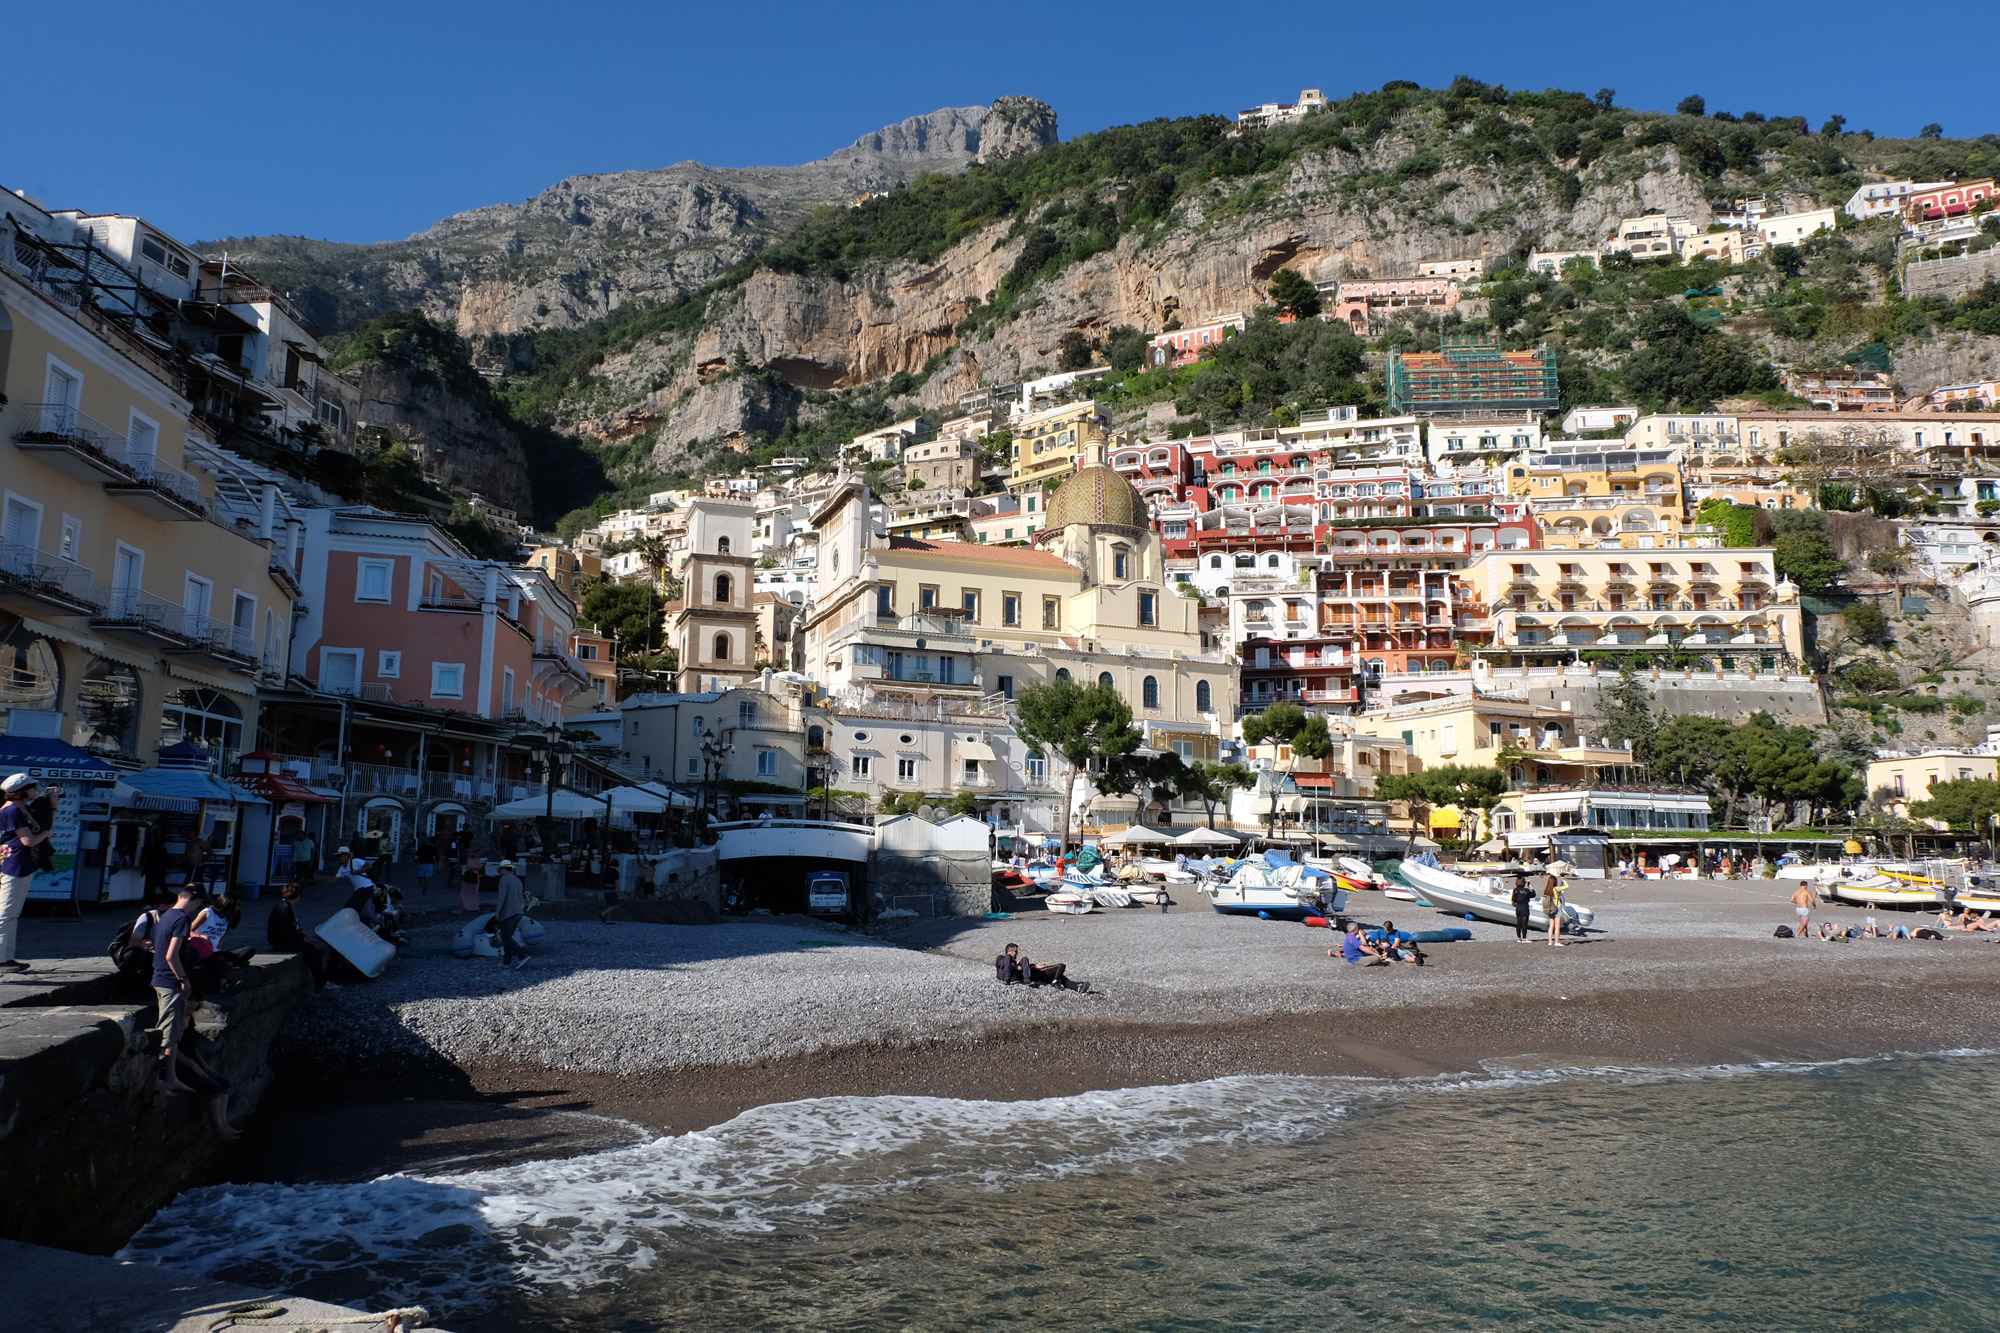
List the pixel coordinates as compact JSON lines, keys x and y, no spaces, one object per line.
{"x":20,"y":834}
{"x":513,"y":905}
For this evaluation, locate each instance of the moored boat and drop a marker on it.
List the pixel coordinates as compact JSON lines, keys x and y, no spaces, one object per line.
{"x":1282,"y":890}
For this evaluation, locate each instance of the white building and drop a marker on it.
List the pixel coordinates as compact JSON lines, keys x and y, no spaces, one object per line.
{"x":1552,"y":262}
{"x":1463,"y":441}
{"x":1452,"y":268}
{"x":1278,"y":113}
{"x":1885,"y":199}
{"x":1791,"y":228}
{"x":1583,"y":420}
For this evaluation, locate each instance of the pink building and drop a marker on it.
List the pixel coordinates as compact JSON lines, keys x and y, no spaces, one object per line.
{"x":419,"y":679}
{"x":1183,"y":347}
{"x":1360,"y":302}
{"x":1946,"y":201}
{"x":1160,"y":471}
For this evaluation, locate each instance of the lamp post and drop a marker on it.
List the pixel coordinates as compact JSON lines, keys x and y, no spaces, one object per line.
{"x":549,"y":748}
{"x":714,"y":753}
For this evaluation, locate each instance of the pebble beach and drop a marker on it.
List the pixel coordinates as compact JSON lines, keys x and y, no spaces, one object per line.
{"x":678,"y":1026}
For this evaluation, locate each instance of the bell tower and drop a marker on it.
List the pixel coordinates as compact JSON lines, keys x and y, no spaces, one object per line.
{"x":715,"y":629}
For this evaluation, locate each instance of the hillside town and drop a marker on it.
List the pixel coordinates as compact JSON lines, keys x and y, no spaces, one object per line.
{"x":212,"y":639}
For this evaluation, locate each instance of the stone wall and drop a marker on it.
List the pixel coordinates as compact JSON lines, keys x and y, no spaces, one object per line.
{"x":89,"y":1148}
{"x":1952,"y":277}
{"x":923,"y":869}
{"x":1732,"y":696}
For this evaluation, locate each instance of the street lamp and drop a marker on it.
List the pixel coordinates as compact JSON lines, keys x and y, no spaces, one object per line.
{"x":549,"y":748}
{"x":714,"y":753}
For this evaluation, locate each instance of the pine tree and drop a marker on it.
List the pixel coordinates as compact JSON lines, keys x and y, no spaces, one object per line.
{"x":1629,"y":715}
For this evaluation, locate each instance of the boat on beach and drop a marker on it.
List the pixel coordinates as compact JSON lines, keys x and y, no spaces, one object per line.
{"x":1279,"y":890}
{"x":1880,"y":890}
{"x":1490,"y":897}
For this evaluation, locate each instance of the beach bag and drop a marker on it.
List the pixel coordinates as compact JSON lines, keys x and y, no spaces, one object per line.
{"x":1782,"y":932}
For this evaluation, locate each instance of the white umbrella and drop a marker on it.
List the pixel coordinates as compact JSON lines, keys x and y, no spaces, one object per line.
{"x":567,"y":805}
{"x":634,"y":800}
{"x":680,"y":800}
{"x":1137,"y":833}
{"x":1205,"y":837}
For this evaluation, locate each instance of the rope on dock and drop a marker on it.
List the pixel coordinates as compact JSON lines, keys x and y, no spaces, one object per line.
{"x":267,"y":1315}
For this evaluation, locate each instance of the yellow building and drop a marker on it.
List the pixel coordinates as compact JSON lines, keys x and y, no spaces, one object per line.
{"x":1557,"y":778}
{"x":1899,"y":781}
{"x":944,"y":623}
{"x":1544,"y":604}
{"x":147,"y":578}
{"x":564,"y":566}
{"x":1056,"y":441}
{"x":1585,"y":494}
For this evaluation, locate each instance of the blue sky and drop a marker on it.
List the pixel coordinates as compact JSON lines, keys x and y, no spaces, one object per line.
{"x":367,"y":121}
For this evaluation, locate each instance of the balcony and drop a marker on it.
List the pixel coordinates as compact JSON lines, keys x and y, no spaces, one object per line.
{"x":46,"y":585}
{"x":159,"y":489}
{"x":74,"y":444}
{"x":441,"y":600}
{"x":144,"y":618}
{"x":218,"y":641}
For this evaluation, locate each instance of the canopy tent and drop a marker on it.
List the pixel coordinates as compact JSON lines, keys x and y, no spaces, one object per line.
{"x":634,"y":800}
{"x":181,"y":789}
{"x":1133,"y":836}
{"x":1206,"y":837}
{"x":565,"y":805}
{"x":679,"y":800}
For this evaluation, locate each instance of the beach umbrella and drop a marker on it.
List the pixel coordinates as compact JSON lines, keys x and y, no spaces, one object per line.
{"x":1493,"y":845}
{"x":1205,"y":837}
{"x":635,"y":800}
{"x":567,"y":805}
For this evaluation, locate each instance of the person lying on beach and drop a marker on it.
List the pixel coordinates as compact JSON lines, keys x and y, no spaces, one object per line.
{"x":1012,"y":969}
{"x":1869,"y":931}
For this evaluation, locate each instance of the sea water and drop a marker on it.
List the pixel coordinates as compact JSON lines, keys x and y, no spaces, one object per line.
{"x":1856,"y":1195}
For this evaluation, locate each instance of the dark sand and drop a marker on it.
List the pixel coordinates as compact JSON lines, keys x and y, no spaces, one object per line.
{"x":521,"y":1110}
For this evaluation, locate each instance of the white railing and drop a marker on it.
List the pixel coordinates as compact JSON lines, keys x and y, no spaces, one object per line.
{"x":169,"y":480}
{"x":62,"y":424}
{"x":27,"y":568}
{"x":136,"y":607}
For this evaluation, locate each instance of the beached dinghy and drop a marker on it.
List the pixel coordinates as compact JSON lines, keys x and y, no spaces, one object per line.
{"x":1281,"y":890}
{"x":1070,"y":903}
{"x":1489,"y":897}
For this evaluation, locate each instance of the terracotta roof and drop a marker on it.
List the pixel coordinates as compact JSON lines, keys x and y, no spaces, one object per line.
{"x":979,"y":551}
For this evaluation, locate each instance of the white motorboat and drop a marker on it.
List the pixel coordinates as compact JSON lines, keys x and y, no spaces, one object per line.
{"x":1285,"y":891}
{"x":1070,"y":903}
{"x":1488,"y":897}
{"x":1879,"y":890}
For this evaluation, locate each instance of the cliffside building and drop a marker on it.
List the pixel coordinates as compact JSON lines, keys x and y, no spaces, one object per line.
{"x":1471,"y":375}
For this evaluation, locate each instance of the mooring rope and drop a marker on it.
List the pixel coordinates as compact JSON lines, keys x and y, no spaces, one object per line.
{"x":267,"y":1315}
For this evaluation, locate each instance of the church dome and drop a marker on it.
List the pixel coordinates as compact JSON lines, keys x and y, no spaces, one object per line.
{"x":1098,"y":496}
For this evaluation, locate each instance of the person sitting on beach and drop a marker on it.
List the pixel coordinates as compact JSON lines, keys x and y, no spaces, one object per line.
{"x":1012,"y":969}
{"x":1398,"y":946}
{"x":285,"y":936}
{"x":1355,"y":949}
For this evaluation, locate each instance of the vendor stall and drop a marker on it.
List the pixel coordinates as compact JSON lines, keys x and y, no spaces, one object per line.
{"x":76,"y":870}
{"x":159,"y":812}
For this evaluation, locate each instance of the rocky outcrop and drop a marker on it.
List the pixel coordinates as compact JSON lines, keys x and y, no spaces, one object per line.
{"x":1922,"y":365}
{"x":1219,"y":256}
{"x":589,"y":244}
{"x":467,"y":443}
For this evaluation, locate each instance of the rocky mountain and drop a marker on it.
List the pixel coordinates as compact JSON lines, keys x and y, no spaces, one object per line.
{"x":589,"y":244}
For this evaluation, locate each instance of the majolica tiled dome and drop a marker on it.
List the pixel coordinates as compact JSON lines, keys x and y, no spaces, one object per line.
{"x":1096,"y":495}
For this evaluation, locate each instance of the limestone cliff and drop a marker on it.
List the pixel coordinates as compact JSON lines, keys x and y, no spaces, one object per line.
{"x":589,"y":244}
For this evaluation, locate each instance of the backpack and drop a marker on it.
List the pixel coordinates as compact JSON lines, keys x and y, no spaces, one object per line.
{"x":1782,"y":933}
{"x":121,"y":949}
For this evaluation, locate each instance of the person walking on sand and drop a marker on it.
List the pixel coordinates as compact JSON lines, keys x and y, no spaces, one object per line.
{"x":513,"y":905}
{"x":1552,"y":906}
{"x":469,"y":875}
{"x":1524,"y":897}
{"x":1803,"y":902}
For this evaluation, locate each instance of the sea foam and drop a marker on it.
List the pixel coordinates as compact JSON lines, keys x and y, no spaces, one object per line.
{"x":455,"y":1240}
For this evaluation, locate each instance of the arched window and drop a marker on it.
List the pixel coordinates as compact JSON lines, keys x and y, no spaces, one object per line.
{"x":209,"y":718}
{"x":722,"y":546}
{"x":1062,"y":673}
{"x":722,"y":588}
{"x":815,"y":738}
{"x":1215,"y":562}
{"x":722,"y":647}
{"x":1271,"y":561}
{"x":1104,"y":679}
{"x":1149,"y":692}
{"x":1204,"y":700}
